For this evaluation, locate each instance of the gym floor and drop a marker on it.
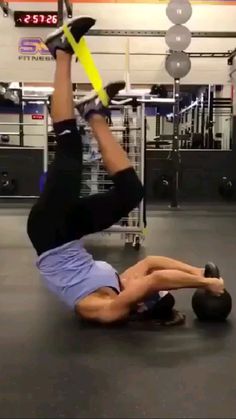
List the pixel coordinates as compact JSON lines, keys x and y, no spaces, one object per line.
{"x":51,"y":366}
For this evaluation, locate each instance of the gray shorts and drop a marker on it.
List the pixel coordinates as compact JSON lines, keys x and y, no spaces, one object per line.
{"x":99,"y":276}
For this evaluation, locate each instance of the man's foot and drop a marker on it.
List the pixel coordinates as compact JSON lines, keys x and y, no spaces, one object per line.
{"x":91,"y":104}
{"x":78,"y":26}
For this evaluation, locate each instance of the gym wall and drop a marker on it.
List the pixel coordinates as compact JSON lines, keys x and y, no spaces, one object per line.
{"x":33,"y":134}
{"x":16,"y":64}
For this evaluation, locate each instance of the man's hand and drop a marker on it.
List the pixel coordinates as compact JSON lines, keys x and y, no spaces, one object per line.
{"x":216,"y":286}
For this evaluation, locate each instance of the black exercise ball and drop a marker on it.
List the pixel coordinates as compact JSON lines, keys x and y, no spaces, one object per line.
{"x":165,"y":187}
{"x":209,"y":307}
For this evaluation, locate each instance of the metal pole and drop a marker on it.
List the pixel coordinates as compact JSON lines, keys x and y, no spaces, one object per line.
{"x":208,"y":90}
{"x":45,"y":135}
{"x":144,"y":161}
{"x":193,"y":117}
{"x":127,"y":65}
{"x":175,"y":156}
{"x":197,"y":117}
{"x":203,"y":119}
{"x":5,"y":8}
{"x":21,"y":115}
{"x":155,"y":33}
{"x":210,"y":119}
{"x":60,"y":12}
{"x":69,"y":8}
{"x":158,"y":124}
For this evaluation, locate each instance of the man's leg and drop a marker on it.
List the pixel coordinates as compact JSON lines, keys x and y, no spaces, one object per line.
{"x":62,"y":99}
{"x":91,"y":109}
{"x":64,"y":175}
{"x":114,"y":157}
{"x":100,"y":211}
{"x":48,"y":225}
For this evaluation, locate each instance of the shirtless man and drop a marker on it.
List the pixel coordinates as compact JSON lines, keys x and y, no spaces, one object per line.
{"x":60,"y":218}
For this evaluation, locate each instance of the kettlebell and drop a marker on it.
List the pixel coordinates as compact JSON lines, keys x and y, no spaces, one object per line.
{"x":161,"y":187}
{"x":5,"y":138}
{"x":226,"y":188}
{"x":8,"y":185}
{"x":207,"y":306}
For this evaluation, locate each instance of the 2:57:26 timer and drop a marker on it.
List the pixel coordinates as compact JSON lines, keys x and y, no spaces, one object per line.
{"x":40,"y":18}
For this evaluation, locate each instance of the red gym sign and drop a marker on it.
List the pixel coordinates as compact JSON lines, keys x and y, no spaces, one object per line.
{"x":38,"y":117}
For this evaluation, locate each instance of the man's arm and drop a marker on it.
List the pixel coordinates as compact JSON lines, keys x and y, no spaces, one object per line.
{"x":120,"y":307}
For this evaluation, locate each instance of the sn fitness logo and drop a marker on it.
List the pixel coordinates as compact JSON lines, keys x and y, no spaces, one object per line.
{"x":33,"y":49}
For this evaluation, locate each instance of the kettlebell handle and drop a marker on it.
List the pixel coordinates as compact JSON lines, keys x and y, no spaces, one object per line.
{"x":211,"y":270}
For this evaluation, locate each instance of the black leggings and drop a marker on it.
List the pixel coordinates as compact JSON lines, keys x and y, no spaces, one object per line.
{"x":60,"y":216}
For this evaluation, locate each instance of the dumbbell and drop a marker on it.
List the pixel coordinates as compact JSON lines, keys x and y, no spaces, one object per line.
{"x":5,"y":138}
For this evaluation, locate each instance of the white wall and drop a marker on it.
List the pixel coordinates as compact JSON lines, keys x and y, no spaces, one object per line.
{"x":144,"y":69}
{"x":167,"y":127}
{"x":233,"y":78}
{"x":151,"y":127}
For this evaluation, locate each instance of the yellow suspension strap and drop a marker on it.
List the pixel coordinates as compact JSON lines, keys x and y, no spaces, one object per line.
{"x":84,"y":55}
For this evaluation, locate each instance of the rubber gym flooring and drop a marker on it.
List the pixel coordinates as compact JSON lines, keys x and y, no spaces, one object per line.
{"x":52,"y":367}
